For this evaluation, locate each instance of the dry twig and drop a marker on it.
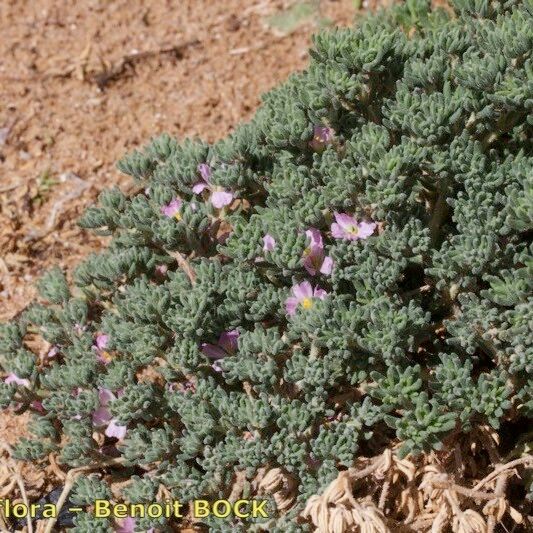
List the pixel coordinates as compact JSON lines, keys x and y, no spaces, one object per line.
{"x":184,"y":265}
{"x":20,"y":482}
{"x":106,"y":76}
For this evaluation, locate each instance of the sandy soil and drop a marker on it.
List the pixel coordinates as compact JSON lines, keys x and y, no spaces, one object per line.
{"x":83,"y":82}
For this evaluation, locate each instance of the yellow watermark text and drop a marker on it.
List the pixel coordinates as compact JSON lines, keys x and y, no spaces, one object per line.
{"x":167,"y":509}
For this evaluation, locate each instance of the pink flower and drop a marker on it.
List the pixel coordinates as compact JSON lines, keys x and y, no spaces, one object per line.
{"x":227,"y":345}
{"x":322,"y":135}
{"x":127,"y":525}
{"x":100,"y":346}
{"x":172,"y":209}
{"x":101,"y":341}
{"x":115,"y":430}
{"x":13,"y":378}
{"x":314,"y":259}
{"x":219,"y":198}
{"x":52,"y":352}
{"x":102,"y":416}
{"x":304,"y":294}
{"x":38,"y":406}
{"x":205,"y":171}
{"x":269,"y":243}
{"x":161,"y":270}
{"x":347,"y":227}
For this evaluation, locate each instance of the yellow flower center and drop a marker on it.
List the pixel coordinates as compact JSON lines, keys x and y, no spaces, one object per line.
{"x":307,"y":303}
{"x":177,"y":216}
{"x":354,"y":230}
{"x":106,"y":356}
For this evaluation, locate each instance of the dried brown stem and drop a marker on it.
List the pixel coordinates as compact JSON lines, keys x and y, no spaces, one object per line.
{"x":522,"y":460}
{"x":384,"y":494}
{"x":238,"y":485}
{"x":469,"y":493}
{"x":358,"y":474}
{"x":108,"y":75}
{"x":498,"y":493}
{"x":184,"y":265}
{"x":69,"y":483}
{"x":20,"y":483}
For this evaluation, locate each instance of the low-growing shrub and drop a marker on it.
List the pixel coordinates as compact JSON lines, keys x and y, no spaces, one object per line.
{"x":349,"y":270}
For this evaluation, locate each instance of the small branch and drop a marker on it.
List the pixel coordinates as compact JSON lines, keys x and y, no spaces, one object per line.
{"x":421,"y":524}
{"x":522,"y":460}
{"x":355,"y":475}
{"x":20,"y":483}
{"x":501,"y":485}
{"x":469,"y":493}
{"x":55,"y":467}
{"x":418,"y":290}
{"x":384,"y":494}
{"x":238,"y":486}
{"x":102,"y":79}
{"x":10,"y":188}
{"x":3,"y":525}
{"x":69,"y":483}
{"x":6,"y":490}
{"x":184,"y":265}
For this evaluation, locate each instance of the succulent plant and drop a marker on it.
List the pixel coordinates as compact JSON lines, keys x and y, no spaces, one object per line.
{"x":354,"y":262}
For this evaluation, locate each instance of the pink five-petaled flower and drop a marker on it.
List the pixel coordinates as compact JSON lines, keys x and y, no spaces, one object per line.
{"x":172,"y":209}
{"x":347,"y":227}
{"x":102,"y":416}
{"x":269,"y":243}
{"x":219,"y":198}
{"x":322,"y":135}
{"x":13,"y":378}
{"x":304,"y":294}
{"x":100,"y":346}
{"x":314,"y":258}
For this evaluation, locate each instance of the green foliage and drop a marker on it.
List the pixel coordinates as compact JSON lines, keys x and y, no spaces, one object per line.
{"x":85,"y":522}
{"x":87,"y":489}
{"x":194,"y":346}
